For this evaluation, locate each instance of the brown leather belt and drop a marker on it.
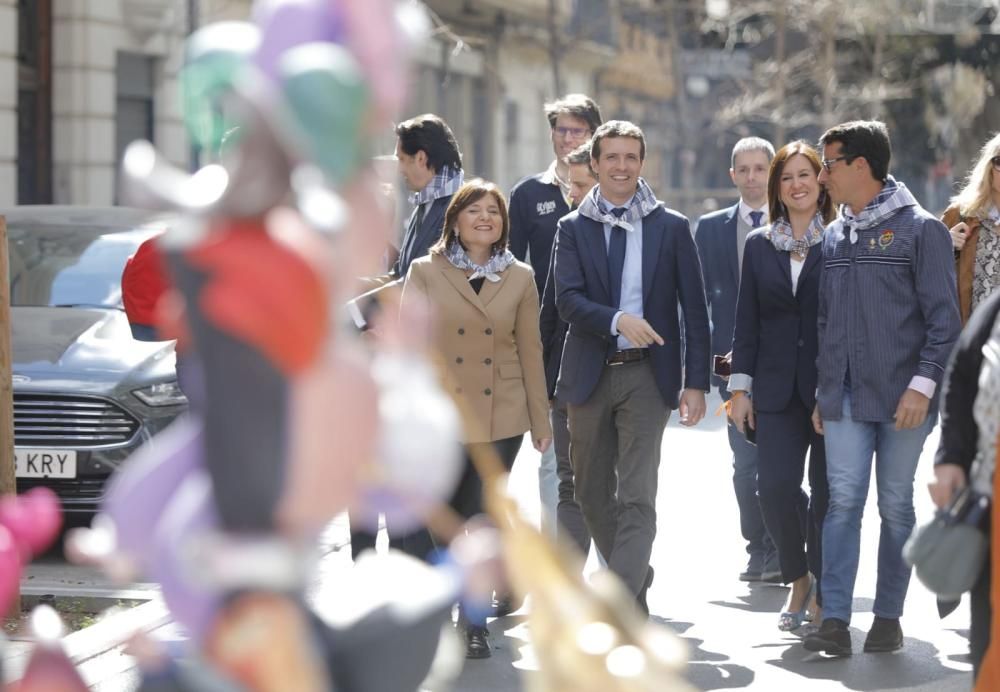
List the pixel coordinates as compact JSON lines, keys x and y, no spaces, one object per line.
{"x":629,"y":355}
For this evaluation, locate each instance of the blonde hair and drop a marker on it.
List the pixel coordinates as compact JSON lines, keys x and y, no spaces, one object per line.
{"x":976,"y":197}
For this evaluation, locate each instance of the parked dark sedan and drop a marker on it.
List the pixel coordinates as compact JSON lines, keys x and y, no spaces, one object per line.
{"x":86,"y":394}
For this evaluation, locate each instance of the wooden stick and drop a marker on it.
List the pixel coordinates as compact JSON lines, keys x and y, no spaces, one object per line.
{"x":8,"y":483}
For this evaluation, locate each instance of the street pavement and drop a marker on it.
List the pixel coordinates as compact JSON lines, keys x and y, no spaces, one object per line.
{"x":729,"y":627}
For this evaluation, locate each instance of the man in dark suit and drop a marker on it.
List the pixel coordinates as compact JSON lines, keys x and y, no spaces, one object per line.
{"x":430,"y":164}
{"x":720,"y":237}
{"x":624,"y":263}
{"x":569,"y":516}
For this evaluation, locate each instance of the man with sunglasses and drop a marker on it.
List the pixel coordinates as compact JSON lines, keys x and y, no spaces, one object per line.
{"x":888,"y":319}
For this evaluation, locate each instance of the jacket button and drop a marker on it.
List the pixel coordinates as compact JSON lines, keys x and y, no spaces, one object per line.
{"x":487,"y":392}
{"x":802,"y":342}
{"x":489,"y":331}
{"x":461,"y":330}
{"x":459,"y":360}
{"x":458,"y":390}
{"x":488,"y":361}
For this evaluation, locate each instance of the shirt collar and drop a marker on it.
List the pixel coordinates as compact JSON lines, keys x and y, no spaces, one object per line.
{"x":607,"y":206}
{"x":745,"y":209}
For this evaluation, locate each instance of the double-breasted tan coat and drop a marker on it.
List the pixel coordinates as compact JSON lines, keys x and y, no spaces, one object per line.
{"x":490,"y":344}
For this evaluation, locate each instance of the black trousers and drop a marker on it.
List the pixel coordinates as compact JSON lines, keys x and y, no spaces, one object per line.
{"x":793,"y":519}
{"x":467,"y":501}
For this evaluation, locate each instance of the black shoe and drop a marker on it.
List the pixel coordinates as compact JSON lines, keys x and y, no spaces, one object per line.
{"x":771,"y":576}
{"x":750,"y":575}
{"x":832,"y":638}
{"x":885,"y":635}
{"x":477,"y":642}
{"x":640,"y":597}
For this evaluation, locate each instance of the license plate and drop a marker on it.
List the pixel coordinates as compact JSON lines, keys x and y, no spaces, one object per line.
{"x":45,"y":463}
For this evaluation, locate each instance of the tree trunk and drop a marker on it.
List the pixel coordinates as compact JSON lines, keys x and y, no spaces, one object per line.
{"x":686,"y":144}
{"x":829,"y":75}
{"x":555,"y":50}
{"x":781,"y":116}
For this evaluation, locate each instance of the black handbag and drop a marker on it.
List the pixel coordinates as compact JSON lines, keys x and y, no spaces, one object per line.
{"x":948,"y":553}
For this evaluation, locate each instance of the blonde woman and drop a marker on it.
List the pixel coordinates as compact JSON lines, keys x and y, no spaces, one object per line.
{"x":974,"y":222}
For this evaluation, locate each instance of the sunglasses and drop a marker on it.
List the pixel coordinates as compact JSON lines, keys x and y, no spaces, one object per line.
{"x":828,"y":163}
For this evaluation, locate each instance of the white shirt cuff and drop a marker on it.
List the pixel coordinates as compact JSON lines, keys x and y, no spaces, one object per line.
{"x":740,"y":381}
{"x":924,"y":385}
{"x":355,"y":312}
{"x":614,"y":322}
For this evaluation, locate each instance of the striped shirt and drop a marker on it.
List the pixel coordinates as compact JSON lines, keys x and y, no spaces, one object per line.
{"x":888,"y":311}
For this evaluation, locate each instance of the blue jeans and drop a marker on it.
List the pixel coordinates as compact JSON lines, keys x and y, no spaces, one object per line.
{"x":548,"y":487}
{"x":850,"y":446}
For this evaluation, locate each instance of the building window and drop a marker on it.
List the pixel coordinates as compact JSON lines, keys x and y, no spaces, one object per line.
{"x":34,"y":101}
{"x":134,"y":100}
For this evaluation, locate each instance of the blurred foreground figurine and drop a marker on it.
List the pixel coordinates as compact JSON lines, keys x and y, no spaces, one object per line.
{"x":291,"y":423}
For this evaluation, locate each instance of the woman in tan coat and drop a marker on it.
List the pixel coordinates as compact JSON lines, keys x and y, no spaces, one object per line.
{"x":974,"y":222}
{"x":485,"y":308}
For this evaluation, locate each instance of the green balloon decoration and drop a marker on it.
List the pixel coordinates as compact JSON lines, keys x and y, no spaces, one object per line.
{"x":216,"y":55}
{"x":328,"y":102}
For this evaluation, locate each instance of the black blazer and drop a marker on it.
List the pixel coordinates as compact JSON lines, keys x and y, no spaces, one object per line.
{"x":715,"y":236}
{"x":553,"y":330}
{"x":671,"y":282}
{"x":417,"y":241}
{"x":775,"y":339}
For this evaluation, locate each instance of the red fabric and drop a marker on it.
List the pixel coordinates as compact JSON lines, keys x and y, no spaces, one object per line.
{"x":144,"y":281}
{"x":262,"y":292}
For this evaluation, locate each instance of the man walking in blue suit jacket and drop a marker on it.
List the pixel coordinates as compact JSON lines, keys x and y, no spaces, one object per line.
{"x":623,"y":265}
{"x":720,"y":237}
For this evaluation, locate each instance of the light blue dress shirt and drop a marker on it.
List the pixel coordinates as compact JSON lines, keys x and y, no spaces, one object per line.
{"x":631,"y":293}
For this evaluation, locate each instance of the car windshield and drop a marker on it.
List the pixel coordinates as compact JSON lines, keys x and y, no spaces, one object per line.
{"x":70,"y":266}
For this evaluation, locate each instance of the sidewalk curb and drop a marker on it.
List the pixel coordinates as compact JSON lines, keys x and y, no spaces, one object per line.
{"x":103,"y":636}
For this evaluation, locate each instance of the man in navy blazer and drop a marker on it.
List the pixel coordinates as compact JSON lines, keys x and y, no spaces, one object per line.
{"x":720,"y":237}
{"x":624,"y":263}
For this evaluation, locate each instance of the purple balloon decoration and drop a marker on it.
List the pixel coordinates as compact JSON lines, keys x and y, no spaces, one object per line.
{"x":140,"y":492}
{"x":190,"y":514}
{"x":285,"y":24}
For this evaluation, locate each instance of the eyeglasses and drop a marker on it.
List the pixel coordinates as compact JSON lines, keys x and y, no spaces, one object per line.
{"x":575,"y":132}
{"x":996,"y":163}
{"x":828,"y":163}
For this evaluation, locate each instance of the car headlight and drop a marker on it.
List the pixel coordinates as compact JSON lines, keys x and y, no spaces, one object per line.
{"x":162,"y":394}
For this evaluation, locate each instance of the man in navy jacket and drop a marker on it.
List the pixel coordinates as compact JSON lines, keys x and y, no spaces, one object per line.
{"x":623,"y":265}
{"x":720,"y":237}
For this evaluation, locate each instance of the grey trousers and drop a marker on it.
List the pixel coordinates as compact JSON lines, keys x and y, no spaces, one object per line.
{"x":620,"y":428}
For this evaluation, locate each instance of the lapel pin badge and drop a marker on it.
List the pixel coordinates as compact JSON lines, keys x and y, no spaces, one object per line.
{"x":885,"y":240}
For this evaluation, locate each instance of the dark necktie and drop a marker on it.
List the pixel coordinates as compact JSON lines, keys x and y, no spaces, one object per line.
{"x":616,"y":258}
{"x":755,"y":218}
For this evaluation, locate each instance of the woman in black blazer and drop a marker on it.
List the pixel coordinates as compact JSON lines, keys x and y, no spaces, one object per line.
{"x":774,"y":366}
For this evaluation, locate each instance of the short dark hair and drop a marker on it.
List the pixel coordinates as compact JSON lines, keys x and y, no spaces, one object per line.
{"x":472,"y":191}
{"x":867,"y":139}
{"x":430,"y":134}
{"x":577,"y":105}
{"x":774,"y":205}
{"x":617,"y":128}
{"x":581,"y":157}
